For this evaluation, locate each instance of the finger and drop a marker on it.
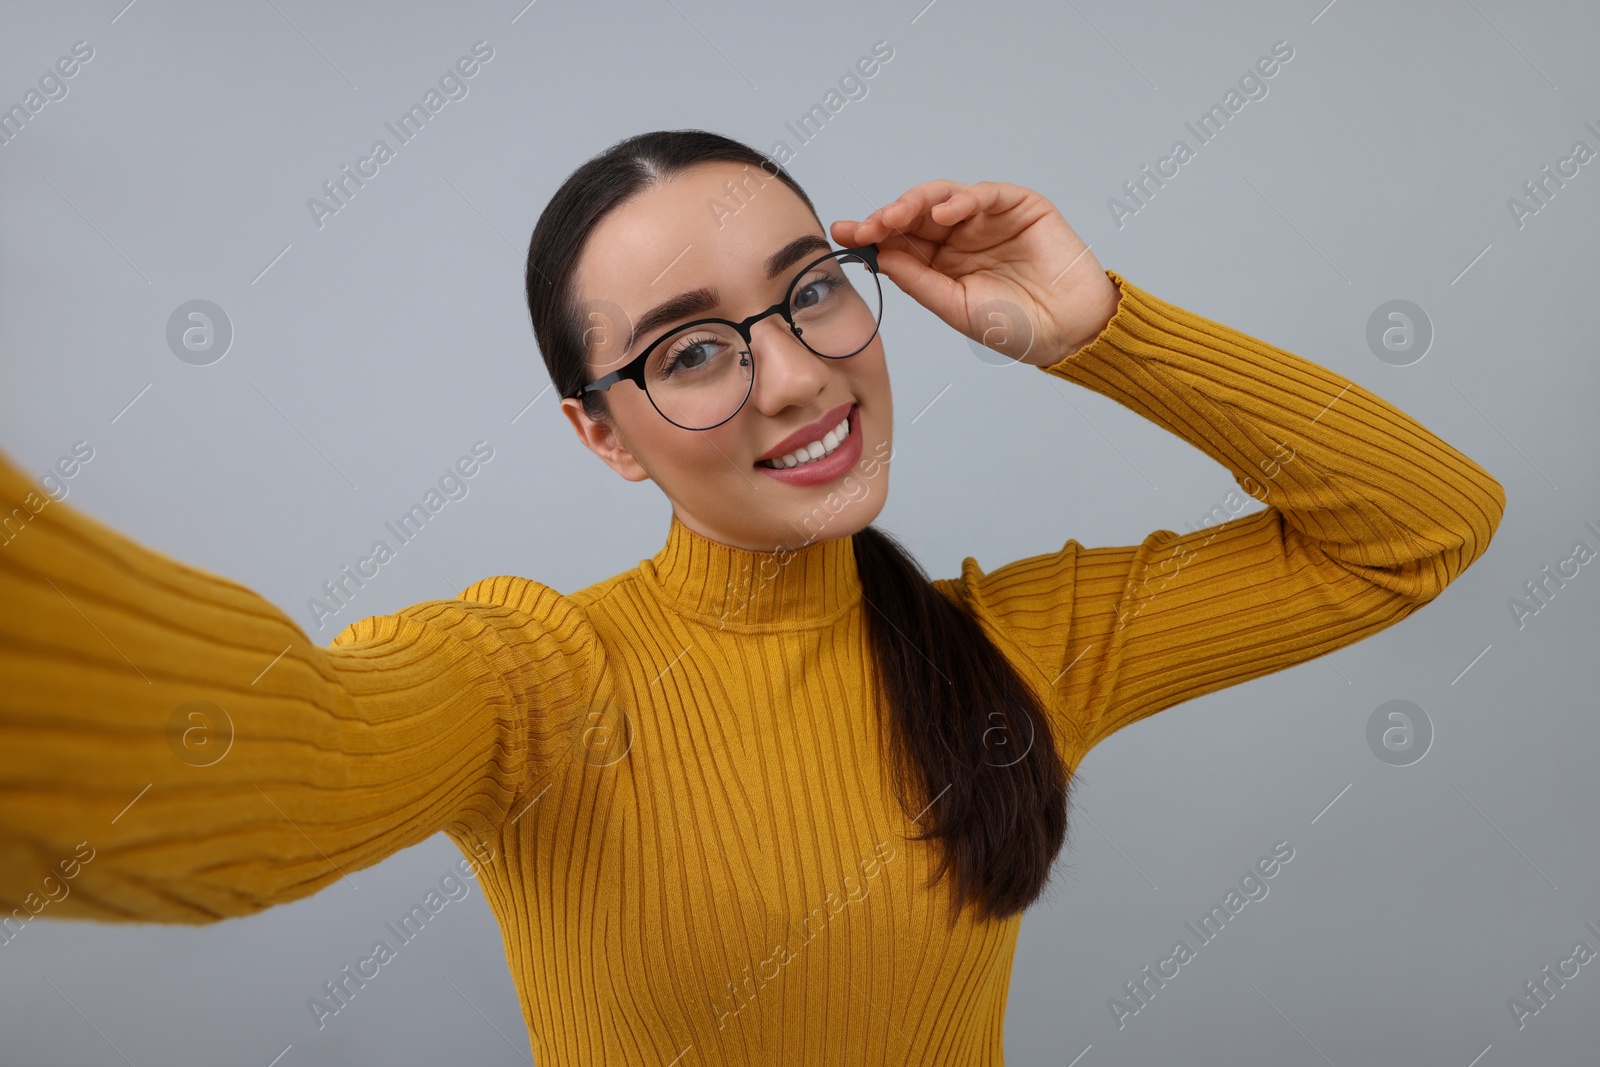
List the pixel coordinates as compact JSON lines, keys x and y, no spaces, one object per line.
{"x":906,"y":261}
{"x":933,"y":209}
{"x":849,"y":233}
{"x":864,"y":232}
{"x":931,"y":288}
{"x":994,"y":198}
{"x":910,"y":212}
{"x":957,"y":207}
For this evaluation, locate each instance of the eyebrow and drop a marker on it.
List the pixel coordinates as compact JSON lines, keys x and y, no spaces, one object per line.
{"x":701,"y":300}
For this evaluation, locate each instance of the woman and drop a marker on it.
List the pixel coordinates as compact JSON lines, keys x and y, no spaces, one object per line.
{"x":770,"y":796}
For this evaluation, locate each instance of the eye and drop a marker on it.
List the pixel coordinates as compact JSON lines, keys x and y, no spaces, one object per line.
{"x":688,"y":354}
{"x":814,"y":292}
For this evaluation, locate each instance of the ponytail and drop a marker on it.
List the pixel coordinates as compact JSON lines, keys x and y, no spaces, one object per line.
{"x":957,"y":712}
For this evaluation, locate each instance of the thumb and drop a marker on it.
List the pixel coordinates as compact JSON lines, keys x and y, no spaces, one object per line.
{"x":940,"y":294}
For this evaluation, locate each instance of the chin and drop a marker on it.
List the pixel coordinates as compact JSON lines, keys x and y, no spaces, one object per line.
{"x":838,"y":509}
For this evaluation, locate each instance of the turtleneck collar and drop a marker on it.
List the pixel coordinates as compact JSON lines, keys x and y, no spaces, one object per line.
{"x":745,"y":590}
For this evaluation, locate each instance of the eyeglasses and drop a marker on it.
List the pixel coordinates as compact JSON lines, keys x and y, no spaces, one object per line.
{"x":699,"y":375}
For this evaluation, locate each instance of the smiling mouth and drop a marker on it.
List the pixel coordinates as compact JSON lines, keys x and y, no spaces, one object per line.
{"x":815,"y":451}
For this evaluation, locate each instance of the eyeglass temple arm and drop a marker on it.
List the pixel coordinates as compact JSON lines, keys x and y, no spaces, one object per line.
{"x":601,"y":384}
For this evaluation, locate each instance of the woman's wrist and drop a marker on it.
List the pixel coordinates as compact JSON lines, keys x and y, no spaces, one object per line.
{"x":1101,"y":319}
{"x":1094,"y":326}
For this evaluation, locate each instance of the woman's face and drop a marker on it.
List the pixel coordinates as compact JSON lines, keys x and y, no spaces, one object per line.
{"x":689,"y":233}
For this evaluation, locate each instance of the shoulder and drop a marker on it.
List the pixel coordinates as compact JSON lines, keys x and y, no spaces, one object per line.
{"x":512,"y":591}
{"x":1024,"y":586}
{"x":1026,"y":606}
{"x":536,"y":599}
{"x":504,"y":603}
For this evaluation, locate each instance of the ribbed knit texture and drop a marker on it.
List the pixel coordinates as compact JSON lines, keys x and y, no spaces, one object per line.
{"x":698,"y":858}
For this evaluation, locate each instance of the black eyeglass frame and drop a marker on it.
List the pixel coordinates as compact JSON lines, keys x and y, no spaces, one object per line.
{"x":634,"y":371}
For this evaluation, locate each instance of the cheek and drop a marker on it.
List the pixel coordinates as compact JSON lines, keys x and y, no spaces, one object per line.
{"x":722,"y":451}
{"x":874,"y":372}
{"x":688,"y":463}
{"x":650,"y":438}
{"x":873,"y":385}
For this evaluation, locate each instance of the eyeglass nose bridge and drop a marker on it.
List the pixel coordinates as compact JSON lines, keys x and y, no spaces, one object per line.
{"x":781,"y":309}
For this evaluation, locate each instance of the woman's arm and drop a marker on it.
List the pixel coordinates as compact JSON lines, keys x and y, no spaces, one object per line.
{"x":425,"y":720}
{"x":1369,"y":516}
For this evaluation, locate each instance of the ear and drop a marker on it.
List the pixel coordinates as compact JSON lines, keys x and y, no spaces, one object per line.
{"x":603,"y":440}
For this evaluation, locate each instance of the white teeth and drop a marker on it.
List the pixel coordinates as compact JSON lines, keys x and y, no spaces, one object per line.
{"x":815,"y":450}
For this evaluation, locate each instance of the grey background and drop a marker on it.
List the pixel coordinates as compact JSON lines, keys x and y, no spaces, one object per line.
{"x":370,"y":353}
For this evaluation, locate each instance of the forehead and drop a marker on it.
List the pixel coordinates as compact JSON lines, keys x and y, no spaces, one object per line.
{"x":690,"y":231}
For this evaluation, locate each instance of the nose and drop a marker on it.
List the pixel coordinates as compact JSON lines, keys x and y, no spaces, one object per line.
{"x":787,"y":372}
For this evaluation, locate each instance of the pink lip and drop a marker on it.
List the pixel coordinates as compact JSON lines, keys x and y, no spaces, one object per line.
{"x":824,"y":470}
{"x":815,"y":431}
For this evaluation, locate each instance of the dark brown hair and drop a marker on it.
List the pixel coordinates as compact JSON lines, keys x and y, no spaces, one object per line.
{"x":955,"y":706}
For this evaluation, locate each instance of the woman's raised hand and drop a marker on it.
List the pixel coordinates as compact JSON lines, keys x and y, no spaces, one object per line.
{"x":977,"y":255}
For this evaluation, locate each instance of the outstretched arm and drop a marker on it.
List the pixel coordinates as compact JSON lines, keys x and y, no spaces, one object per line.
{"x":124,"y":674}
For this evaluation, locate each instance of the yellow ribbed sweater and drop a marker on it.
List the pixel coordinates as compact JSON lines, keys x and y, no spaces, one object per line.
{"x":698,"y":858}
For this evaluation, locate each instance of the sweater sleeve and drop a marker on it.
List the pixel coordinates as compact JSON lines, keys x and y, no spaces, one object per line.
{"x":1368,"y":517}
{"x":174,"y":748}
